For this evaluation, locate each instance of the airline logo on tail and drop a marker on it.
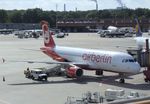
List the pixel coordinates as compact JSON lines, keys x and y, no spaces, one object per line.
{"x":48,"y":40}
{"x":46,"y":34}
{"x":138,"y":29}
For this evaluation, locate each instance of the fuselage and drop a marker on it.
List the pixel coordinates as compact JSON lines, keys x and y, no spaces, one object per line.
{"x":99,"y":59}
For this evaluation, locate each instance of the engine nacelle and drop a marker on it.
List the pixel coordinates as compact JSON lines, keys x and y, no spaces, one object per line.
{"x":74,"y":72}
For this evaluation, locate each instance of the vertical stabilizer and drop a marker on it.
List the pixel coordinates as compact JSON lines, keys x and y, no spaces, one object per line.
{"x":138,"y":29}
{"x":48,"y":39}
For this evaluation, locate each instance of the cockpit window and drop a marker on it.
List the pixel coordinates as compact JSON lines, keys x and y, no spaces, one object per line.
{"x":128,"y":60}
{"x":131,"y":60}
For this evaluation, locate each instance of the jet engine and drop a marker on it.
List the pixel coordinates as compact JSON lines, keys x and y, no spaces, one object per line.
{"x":74,"y":72}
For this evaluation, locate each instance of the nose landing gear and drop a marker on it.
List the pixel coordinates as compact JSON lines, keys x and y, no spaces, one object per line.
{"x":121,"y":80}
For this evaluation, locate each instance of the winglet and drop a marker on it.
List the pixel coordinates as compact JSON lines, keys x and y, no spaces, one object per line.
{"x":48,"y":39}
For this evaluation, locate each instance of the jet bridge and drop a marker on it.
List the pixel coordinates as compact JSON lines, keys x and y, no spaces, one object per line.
{"x":143,"y":58}
{"x":139,"y":55}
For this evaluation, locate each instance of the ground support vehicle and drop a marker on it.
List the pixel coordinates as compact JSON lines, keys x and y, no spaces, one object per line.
{"x":35,"y":75}
{"x":115,"y":34}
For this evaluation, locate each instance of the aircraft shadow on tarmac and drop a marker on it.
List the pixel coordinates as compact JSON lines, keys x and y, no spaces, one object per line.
{"x":109,"y":80}
{"x":82,"y":80}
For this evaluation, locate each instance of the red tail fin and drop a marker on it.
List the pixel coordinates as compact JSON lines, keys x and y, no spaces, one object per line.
{"x":48,"y":39}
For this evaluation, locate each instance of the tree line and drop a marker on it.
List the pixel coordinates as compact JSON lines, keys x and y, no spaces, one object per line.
{"x":36,"y":15}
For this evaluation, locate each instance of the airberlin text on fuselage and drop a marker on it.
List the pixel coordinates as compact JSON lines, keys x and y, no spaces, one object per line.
{"x":97,"y":58}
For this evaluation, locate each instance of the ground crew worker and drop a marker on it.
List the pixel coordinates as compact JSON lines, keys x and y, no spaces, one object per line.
{"x":27,"y":72}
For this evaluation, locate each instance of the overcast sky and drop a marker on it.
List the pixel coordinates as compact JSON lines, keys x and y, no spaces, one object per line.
{"x":70,"y":4}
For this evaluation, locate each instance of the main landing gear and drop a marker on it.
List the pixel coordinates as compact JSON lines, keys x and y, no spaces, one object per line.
{"x":99,"y":72}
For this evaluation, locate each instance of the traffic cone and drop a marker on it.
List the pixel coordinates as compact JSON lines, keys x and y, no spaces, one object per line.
{"x":3,"y":79}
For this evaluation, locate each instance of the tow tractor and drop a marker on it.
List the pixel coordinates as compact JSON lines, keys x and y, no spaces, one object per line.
{"x":35,"y":75}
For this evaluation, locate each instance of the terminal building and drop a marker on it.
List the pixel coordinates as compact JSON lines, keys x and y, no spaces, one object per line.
{"x":83,"y":25}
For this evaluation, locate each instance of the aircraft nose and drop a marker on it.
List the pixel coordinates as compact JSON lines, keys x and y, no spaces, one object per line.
{"x":136,"y":68}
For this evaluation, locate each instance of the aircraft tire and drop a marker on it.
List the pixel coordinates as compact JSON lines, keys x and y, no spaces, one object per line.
{"x":99,"y":72}
{"x":122,"y":80}
{"x":45,"y":78}
{"x":32,"y":77}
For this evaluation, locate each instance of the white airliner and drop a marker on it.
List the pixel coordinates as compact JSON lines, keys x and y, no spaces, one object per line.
{"x":77,"y":59}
